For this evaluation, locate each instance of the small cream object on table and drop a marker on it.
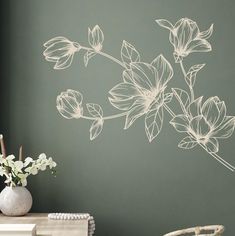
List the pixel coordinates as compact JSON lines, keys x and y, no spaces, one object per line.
{"x":46,"y":226}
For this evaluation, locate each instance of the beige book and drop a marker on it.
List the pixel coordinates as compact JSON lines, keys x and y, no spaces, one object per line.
{"x":17,"y":229}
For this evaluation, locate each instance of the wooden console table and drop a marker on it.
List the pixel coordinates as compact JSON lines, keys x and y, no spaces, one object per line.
{"x":48,"y":227}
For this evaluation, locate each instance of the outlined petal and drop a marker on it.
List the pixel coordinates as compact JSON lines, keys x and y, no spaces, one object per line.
{"x":64,"y":62}
{"x":122,"y":104}
{"x":210,"y":111}
{"x":199,"y":126}
{"x":194,"y":107}
{"x":164,"y":69}
{"x":165,"y":24}
{"x":187,"y":30}
{"x":194,"y":124}
{"x":226,"y":129}
{"x":212,"y":146}
{"x":180,"y":123}
{"x":66,"y":114}
{"x":144,"y":75}
{"x":136,"y":112}
{"x":55,"y":40}
{"x":207,"y":33}
{"x":222,"y":111}
{"x":96,"y":38}
{"x":127,"y":76}
{"x":68,"y":104}
{"x":199,"y":45}
{"x":124,"y":90}
{"x":58,"y":50}
{"x":75,"y":94}
{"x":51,"y":59}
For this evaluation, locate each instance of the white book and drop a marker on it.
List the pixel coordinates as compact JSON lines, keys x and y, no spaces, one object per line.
{"x":17,"y":229}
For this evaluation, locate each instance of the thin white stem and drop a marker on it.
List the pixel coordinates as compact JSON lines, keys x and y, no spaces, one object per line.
{"x":111,"y":58}
{"x":169,"y":110}
{"x":182,"y":68}
{"x":216,"y":156}
{"x":106,"y":117}
{"x":105,"y":55}
{"x":224,"y":161}
{"x":185,"y":74}
{"x":192,"y":93}
{"x":219,"y":159}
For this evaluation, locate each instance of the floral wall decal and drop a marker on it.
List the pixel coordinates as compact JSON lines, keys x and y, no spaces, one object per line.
{"x":144,"y":90}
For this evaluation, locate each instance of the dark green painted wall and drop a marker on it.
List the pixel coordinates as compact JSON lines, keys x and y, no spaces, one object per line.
{"x":130,"y":186}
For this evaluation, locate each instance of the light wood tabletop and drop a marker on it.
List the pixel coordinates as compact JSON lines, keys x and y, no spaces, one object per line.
{"x":46,"y":227}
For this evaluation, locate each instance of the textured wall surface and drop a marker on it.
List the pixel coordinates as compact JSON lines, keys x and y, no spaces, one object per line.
{"x":131,"y":187}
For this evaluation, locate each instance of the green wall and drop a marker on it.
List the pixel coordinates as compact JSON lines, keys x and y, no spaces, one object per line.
{"x":131,"y":187}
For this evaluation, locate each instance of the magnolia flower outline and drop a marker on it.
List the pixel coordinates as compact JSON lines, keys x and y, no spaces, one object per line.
{"x":186,"y":37}
{"x":207,"y":123}
{"x":96,"y":38}
{"x":61,"y":51}
{"x":142,"y":88}
{"x":69,"y":104}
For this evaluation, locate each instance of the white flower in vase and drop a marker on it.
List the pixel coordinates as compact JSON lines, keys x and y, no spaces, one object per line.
{"x":19,"y":200}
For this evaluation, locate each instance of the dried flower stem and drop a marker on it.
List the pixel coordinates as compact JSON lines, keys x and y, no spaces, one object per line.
{"x":3,"y":146}
{"x":21,"y":153}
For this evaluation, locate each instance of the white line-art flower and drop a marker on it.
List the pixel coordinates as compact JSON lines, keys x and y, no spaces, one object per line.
{"x":143,"y":89}
{"x":205,"y":123}
{"x":186,"y":37}
{"x":61,"y":51}
{"x":69,"y":104}
{"x":96,"y":38}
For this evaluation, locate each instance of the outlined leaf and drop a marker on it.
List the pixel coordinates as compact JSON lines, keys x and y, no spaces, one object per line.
{"x":182,"y":97}
{"x":165,"y":24}
{"x":187,"y":143}
{"x":129,"y":54}
{"x":212,"y":146}
{"x":127,"y":76}
{"x":87,"y":56}
{"x":96,"y":128}
{"x":153,"y":123}
{"x":63,"y":62}
{"x":192,"y":74}
{"x":94,"y":109}
{"x":132,"y":115}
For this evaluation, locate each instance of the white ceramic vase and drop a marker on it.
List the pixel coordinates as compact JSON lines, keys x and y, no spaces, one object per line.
{"x":15,"y":201}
